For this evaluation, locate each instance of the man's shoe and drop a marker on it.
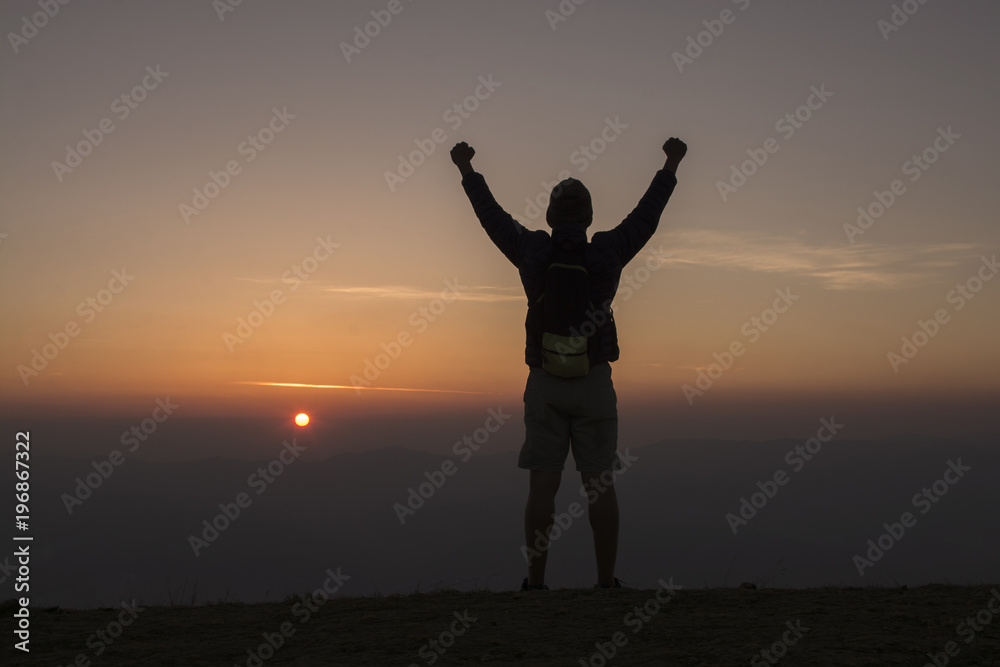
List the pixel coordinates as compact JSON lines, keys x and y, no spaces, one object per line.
{"x":618,"y":584}
{"x":526,"y":587}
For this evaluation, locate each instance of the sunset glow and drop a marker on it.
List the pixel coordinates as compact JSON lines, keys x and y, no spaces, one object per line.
{"x":334,"y":252}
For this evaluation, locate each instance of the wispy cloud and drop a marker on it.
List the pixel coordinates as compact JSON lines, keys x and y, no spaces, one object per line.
{"x":407,"y":292}
{"x":487,"y":293}
{"x":301,"y":385}
{"x":838,"y":266}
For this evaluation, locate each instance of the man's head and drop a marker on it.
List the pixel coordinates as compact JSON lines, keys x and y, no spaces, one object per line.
{"x":570,"y":206}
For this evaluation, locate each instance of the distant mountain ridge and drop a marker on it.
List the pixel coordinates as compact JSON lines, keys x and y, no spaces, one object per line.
{"x":132,"y":536}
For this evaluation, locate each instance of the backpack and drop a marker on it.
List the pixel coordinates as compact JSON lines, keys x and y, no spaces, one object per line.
{"x":565,"y":307}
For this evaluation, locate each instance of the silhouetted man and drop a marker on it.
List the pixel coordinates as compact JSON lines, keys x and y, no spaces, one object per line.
{"x":569,"y":398}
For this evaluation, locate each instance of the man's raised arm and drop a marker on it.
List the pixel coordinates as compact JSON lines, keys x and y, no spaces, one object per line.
{"x":507,"y":234}
{"x":634,"y":232}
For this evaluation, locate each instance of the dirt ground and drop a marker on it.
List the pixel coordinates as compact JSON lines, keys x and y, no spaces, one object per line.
{"x":709,"y":627}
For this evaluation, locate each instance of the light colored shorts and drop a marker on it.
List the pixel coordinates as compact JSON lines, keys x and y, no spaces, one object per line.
{"x":564,"y":412}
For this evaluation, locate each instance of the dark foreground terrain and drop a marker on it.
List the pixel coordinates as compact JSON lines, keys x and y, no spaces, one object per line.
{"x":714,"y":627}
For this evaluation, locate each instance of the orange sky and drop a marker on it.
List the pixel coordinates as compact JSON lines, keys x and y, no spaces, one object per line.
{"x":307,"y":231}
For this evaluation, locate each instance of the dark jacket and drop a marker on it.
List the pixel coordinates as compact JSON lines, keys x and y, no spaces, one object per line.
{"x":607,"y":254}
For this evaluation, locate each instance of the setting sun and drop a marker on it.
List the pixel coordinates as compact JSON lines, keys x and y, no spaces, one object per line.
{"x":302,"y":419}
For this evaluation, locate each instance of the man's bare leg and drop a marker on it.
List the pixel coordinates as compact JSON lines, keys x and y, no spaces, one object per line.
{"x":543,"y":486}
{"x":603,"y":514}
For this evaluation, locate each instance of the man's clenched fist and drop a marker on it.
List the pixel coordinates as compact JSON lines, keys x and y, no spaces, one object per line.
{"x":675,"y":149}
{"x":462,"y":154}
